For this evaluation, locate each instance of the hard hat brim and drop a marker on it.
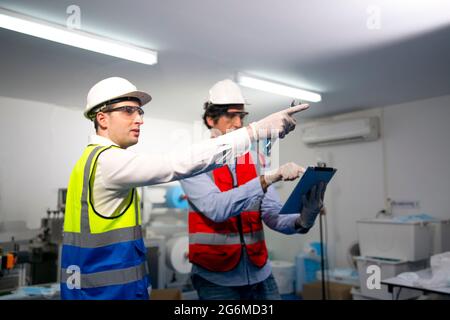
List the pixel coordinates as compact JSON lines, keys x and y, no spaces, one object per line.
{"x":143,"y":97}
{"x":223,"y":102}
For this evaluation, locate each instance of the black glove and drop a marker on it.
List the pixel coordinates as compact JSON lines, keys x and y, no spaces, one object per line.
{"x":312,"y":205}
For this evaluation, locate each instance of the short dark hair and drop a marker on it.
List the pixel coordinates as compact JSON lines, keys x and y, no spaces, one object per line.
{"x":215,"y":111}
{"x":95,"y":123}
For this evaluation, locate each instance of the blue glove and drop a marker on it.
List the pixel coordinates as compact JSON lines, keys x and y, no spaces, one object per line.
{"x":312,"y":205}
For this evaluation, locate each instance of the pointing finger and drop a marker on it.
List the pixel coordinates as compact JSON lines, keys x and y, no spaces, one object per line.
{"x":297,"y":108}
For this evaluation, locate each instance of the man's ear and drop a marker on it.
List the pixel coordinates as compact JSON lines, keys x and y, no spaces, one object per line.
{"x":210,"y":121}
{"x":102,"y":120}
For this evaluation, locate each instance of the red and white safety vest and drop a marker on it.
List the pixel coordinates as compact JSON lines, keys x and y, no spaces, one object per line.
{"x":217,"y":246}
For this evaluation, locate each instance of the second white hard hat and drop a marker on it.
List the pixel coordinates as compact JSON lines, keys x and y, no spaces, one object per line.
{"x":226,"y":92}
{"x":111,"y":89}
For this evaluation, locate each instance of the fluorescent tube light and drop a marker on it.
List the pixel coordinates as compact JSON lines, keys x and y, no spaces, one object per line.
{"x":76,"y":38}
{"x":279,"y":89}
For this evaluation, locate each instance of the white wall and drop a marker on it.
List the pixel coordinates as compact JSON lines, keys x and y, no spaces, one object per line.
{"x":418,"y":154}
{"x":409,"y":162}
{"x":40,"y":143}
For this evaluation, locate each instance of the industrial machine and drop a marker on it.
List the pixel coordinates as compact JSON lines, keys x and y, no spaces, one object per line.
{"x":36,"y":251}
{"x":8,"y":274}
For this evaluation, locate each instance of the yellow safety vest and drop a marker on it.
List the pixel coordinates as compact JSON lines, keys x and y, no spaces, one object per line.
{"x":108,"y":252}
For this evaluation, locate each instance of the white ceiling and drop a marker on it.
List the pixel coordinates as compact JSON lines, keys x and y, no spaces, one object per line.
{"x":320,"y":45}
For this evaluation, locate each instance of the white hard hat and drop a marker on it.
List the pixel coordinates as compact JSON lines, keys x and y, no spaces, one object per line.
{"x":111,"y":89}
{"x":226,"y":92}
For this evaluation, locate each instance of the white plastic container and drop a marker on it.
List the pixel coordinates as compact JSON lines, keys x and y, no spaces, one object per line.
{"x":385,"y":238}
{"x":441,"y":236}
{"x":388,"y":269}
{"x":284,"y":274}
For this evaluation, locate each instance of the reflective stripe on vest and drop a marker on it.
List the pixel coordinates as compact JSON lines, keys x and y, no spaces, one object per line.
{"x":229,"y":238}
{"x":102,"y":239}
{"x":110,"y":277}
{"x":92,"y":251}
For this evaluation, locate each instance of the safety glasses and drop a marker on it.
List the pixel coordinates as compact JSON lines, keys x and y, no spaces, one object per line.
{"x":128,"y":110}
{"x":240,"y":114}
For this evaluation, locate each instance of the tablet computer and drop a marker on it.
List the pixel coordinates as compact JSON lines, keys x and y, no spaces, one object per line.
{"x":311,"y":177}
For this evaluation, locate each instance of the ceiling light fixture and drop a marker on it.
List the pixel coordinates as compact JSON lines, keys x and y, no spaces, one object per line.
{"x":277,"y":88}
{"x":38,"y":28}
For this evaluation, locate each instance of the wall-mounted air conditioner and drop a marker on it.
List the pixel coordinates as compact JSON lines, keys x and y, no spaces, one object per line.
{"x":328,"y":132}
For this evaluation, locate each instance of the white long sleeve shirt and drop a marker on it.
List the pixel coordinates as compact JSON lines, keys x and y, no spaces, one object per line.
{"x":119,"y":170}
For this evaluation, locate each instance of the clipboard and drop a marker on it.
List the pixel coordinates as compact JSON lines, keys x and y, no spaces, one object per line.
{"x":311,"y":177}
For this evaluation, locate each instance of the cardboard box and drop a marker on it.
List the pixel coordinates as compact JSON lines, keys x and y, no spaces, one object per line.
{"x":165,"y":294}
{"x":336,"y":291}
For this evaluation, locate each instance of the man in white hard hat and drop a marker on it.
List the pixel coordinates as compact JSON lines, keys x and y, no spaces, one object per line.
{"x":103,"y":254}
{"x":227,"y":208}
